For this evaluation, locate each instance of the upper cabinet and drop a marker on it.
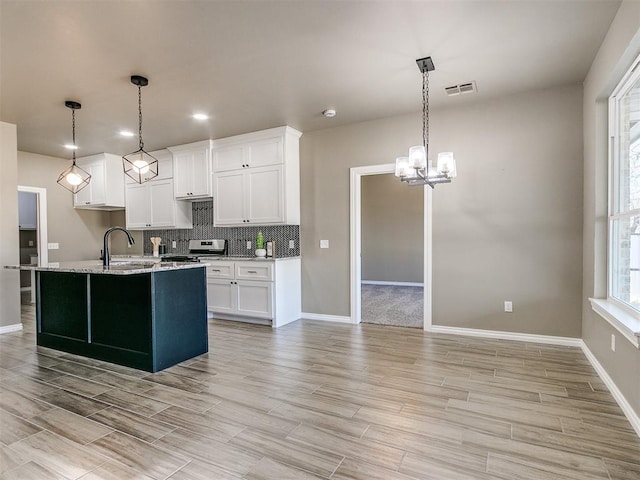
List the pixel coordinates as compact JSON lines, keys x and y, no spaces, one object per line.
{"x":192,"y":170}
{"x":152,"y":204}
{"x":106,"y":188}
{"x":256,"y":178}
{"x":27,"y":211}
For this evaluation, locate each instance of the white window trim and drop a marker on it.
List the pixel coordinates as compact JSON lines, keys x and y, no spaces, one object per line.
{"x":622,"y":317}
{"x":618,"y":316}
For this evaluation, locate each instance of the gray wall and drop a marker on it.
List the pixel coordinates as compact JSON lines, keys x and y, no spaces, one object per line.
{"x":392,"y":230}
{"x":508,"y":228}
{"x":620,"y":47}
{"x":79,"y":232}
{"x":9,"y":239}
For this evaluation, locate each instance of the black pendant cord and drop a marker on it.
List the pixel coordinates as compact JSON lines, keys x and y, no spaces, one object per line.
{"x":140,"y":117}
{"x":425,"y":109}
{"x":73,"y":134}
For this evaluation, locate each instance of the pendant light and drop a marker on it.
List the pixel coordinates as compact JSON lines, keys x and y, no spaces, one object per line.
{"x":140,"y":165}
{"x":74,"y":178}
{"x":415,"y":169}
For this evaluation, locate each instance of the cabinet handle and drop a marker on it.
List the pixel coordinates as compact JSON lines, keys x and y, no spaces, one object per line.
{"x":251,"y":271}
{"x":215,"y":270}
{"x":87,"y":203}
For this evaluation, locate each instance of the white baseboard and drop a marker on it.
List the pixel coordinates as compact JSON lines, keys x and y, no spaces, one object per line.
{"x":326,"y":318}
{"x":397,"y":284}
{"x":16,"y":327}
{"x":520,"y":337}
{"x":628,"y":411}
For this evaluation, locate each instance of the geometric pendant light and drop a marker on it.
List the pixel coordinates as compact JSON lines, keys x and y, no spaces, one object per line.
{"x":140,"y":165}
{"x":74,"y":178}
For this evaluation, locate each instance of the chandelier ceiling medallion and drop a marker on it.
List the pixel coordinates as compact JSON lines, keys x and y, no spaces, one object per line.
{"x":73,"y":178}
{"x":140,"y":165}
{"x":415,"y":169}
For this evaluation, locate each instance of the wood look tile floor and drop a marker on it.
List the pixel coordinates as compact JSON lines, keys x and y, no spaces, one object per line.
{"x":314,"y":400}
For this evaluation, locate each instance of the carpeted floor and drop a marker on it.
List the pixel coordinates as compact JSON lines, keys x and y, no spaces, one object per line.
{"x":393,"y":305}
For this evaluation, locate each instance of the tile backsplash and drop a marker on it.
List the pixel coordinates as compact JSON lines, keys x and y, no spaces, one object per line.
{"x":237,"y":236}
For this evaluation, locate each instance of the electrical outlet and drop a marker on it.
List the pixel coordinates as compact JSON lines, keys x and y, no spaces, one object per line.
{"x":248,"y":245}
{"x":53,"y":246}
{"x":508,"y":306}
{"x":324,"y":243}
{"x":31,"y":243}
{"x":174,"y":244}
{"x":292,"y":244}
{"x":613,"y":342}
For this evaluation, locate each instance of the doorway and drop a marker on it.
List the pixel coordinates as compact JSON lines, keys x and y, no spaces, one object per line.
{"x":32,"y":226}
{"x":359,"y":254}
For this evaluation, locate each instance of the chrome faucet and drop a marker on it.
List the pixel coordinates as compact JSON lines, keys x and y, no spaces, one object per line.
{"x":105,"y":256}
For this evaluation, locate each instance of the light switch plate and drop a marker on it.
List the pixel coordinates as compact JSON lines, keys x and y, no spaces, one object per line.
{"x":174,"y":244}
{"x":292,"y":244}
{"x":31,"y":243}
{"x":324,"y":243}
{"x":53,"y":246}
{"x":248,"y":245}
{"x":508,"y":306}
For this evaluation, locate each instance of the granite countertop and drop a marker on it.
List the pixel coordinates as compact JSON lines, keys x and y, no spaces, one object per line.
{"x":203,"y":259}
{"x":116,"y":267}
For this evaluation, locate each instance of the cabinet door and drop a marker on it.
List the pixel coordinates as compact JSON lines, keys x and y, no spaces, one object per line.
{"x":228,"y":198}
{"x":97,"y":184}
{"x":182,"y":177}
{"x":162,"y":204}
{"x":255,"y":299}
{"x":27,"y":210}
{"x":221,"y":296}
{"x":200,"y":173}
{"x":229,"y":158}
{"x":266,"y":152}
{"x":138,"y":209}
{"x":265,"y":195}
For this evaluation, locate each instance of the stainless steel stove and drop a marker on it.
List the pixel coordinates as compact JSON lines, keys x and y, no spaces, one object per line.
{"x":201,"y":249}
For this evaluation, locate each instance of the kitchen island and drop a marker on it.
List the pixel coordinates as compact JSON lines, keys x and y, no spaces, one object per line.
{"x":148,"y":316}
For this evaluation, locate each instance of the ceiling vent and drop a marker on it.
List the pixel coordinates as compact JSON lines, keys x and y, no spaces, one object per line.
{"x":468,"y":87}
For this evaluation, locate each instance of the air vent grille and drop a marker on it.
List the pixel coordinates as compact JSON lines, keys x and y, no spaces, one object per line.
{"x":461,"y":88}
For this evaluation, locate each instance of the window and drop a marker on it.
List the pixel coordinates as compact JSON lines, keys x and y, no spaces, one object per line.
{"x":624,"y":192}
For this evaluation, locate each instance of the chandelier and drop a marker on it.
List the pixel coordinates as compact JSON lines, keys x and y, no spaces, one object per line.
{"x":415,"y":169}
{"x":73,"y":178}
{"x":140,"y":165}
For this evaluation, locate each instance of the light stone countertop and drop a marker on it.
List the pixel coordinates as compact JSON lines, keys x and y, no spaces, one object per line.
{"x":116,"y":268}
{"x":203,"y":259}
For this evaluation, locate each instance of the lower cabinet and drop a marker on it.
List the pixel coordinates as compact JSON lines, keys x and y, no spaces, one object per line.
{"x":255,"y":290}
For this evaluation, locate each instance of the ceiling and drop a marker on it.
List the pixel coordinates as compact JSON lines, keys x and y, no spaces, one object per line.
{"x":252,"y":65}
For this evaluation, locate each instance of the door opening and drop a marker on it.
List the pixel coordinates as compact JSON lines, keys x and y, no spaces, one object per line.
{"x":359,"y":253}
{"x":32,"y":225}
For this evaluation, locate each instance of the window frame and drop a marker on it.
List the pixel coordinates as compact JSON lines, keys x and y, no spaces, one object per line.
{"x":631,"y":77}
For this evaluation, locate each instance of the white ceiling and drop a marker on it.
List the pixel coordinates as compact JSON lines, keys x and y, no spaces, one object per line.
{"x":260,"y":64}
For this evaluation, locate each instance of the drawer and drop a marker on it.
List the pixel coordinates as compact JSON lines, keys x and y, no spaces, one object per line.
{"x":254,"y":271}
{"x":220,"y":270}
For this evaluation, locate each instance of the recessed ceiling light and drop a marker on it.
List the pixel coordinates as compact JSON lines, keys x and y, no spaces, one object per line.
{"x":200,"y":116}
{"x":71,"y":146}
{"x":329,"y":113}
{"x":126,"y":133}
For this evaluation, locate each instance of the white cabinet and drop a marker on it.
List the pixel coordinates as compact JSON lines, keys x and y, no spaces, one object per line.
{"x":256,"y":178}
{"x":27,"y":211}
{"x":106,"y":187}
{"x":152,"y":205}
{"x":248,"y":153}
{"x":255,"y":290}
{"x":192,"y":170}
{"x":252,"y":196}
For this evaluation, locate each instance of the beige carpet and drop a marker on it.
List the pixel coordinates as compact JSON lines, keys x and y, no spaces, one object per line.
{"x":393,"y":305}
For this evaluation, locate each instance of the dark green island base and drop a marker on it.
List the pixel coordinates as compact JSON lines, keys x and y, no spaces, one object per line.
{"x":149,"y":321}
